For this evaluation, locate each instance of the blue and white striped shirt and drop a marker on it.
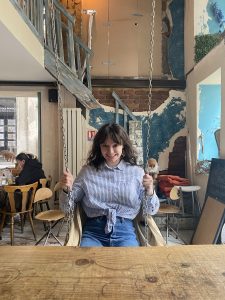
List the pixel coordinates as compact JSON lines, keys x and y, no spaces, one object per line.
{"x":110,"y":191}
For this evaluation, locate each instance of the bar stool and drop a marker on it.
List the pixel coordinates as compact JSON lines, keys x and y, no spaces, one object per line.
{"x":172,"y":208}
{"x":193,"y":190}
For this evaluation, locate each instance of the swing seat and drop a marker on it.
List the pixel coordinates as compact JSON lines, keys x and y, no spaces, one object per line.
{"x":154,"y":235}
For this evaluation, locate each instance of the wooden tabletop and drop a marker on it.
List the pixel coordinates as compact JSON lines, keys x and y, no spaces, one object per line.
{"x":179,"y":272}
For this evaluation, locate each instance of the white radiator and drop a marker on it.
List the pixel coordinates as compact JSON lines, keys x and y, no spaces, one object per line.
{"x":76,"y":138}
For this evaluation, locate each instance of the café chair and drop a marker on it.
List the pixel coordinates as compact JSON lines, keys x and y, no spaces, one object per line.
{"x":51,"y":217}
{"x":45,"y":182}
{"x":25,"y":193}
{"x":171,"y":210}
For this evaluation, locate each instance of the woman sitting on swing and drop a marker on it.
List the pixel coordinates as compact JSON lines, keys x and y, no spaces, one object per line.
{"x":111,"y":188}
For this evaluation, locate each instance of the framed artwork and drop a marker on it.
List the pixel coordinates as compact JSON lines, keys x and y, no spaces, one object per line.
{"x":215,"y":185}
{"x":210,"y":223}
{"x":213,"y":213}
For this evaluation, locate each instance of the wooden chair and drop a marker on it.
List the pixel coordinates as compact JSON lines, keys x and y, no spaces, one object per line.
{"x":48,"y":216}
{"x":45,"y":182}
{"x":172,"y":208}
{"x":14,"y":193}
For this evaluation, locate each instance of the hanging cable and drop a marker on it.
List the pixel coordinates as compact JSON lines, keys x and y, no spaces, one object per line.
{"x":152,"y":32}
{"x":60,"y":107}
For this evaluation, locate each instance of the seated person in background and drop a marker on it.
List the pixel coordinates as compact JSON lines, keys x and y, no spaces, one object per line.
{"x":31,"y":169}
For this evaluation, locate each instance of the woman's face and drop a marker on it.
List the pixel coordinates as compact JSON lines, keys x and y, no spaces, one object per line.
{"x":111,"y":152}
{"x":20,"y":164}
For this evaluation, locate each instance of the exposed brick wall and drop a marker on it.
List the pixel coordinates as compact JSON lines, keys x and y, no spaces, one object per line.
{"x":74,"y":8}
{"x":136,"y":99}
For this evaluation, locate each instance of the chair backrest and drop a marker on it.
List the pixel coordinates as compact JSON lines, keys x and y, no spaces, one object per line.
{"x":46,"y":182}
{"x":217,"y":137}
{"x":174,"y":194}
{"x":58,"y":186}
{"x":23,"y":192}
{"x":42,"y":194}
{"x":43,"y":182}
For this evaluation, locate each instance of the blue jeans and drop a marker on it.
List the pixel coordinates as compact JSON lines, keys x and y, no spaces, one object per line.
{"x":122,"y":234}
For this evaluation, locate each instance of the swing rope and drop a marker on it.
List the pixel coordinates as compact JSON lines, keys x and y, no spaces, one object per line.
{"x":145,"y":200}
{"x":70,"y":215}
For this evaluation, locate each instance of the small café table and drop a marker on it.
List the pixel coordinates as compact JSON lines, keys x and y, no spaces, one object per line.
{"x":175,"y":272}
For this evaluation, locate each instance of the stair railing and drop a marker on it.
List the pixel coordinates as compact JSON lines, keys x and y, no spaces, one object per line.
{"x":72,"y":52}
{"x":126,"y":112}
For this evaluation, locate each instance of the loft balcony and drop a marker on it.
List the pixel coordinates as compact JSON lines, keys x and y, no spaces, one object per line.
{"x":36,"y":36}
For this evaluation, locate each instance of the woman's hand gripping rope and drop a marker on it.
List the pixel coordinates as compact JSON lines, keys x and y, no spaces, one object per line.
{"x":148,"y":184}
{"x":67,"y":183}
{"x":149,"y":190}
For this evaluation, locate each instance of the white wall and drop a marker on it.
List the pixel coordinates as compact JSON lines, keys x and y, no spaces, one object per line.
{"x":208,"y":65}
{"x":121,"y":37}
{"x":51,"y":145}
{"x":16,"y":25}
{"x":189,"y":35}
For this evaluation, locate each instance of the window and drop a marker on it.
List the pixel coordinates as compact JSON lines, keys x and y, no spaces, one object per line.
{"x":19,"y":124}
{"x":209,"y":116}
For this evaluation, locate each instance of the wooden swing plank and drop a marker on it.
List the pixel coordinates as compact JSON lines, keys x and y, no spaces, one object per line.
{"x":179,"y":272}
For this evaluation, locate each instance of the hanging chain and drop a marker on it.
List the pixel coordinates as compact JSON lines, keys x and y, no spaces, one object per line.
{"x":60,"y":104}
{"x":145,"y":202}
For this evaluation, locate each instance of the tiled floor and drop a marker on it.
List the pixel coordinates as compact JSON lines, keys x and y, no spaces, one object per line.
{"x":183,"y":239}
{"x":27,"y":237}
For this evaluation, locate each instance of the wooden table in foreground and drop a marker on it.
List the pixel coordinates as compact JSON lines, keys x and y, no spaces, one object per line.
{"x":179,"y":272}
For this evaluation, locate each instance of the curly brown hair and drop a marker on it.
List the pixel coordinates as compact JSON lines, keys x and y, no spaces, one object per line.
{"x":119,"y":136}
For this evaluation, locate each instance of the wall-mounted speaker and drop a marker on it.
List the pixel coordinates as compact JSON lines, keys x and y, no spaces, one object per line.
{"x":53,"y":95}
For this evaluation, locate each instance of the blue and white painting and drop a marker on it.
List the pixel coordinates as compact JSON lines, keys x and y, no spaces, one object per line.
{"x":209,"y":120}
{"x":167,"y":123}
{"x":209,"y":16}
